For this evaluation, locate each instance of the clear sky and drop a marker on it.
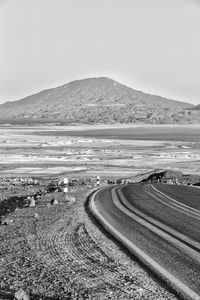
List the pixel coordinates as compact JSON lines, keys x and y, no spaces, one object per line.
{"x":150,"y":45}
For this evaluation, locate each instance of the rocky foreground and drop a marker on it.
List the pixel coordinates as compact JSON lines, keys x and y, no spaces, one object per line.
{"x":57,"y":251}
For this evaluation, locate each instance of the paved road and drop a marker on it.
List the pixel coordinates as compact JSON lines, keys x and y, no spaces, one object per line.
{"x":158,"y":235}
{"x":175,"y":206}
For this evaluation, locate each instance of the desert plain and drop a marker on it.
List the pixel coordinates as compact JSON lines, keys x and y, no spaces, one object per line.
{"x":115,"y":151}
{"x":59,"y":251}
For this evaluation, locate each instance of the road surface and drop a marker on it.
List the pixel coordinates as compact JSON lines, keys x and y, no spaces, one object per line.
{"x":158,"y":227}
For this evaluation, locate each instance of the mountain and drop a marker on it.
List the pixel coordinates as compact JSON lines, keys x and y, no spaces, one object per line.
{"x":196,"y":107}
{"x":95,"y":100}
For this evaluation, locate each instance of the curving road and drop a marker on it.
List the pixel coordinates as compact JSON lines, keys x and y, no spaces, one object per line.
{"x":157,"y":225}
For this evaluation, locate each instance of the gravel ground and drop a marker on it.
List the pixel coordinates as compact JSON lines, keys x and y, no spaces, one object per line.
{"x":58,"y":252}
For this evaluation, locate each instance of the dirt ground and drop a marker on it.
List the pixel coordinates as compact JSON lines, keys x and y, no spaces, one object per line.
{"x":59,"y":252}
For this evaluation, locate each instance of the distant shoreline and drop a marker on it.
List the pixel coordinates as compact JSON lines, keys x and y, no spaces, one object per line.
{"x":81,"y":127}
{"x":184,"y":133}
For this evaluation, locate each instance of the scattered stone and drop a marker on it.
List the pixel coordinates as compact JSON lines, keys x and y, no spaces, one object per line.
{"x":70,"y":199}
{"x":36,"y":215}
{"x":32,"y":202}
{"x":21,"y":295}
{"x":60,"y":182}
{"x":54,"y":202}
{"x":6,"y":222}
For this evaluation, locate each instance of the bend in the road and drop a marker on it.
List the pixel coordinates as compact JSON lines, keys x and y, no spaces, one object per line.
{"x":177,"y":204}
{"x":188,"y":291}
{"x":168,"y":233}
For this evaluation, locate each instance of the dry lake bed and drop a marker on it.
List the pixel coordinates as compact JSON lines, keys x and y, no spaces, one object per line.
{"x":107,"y":151}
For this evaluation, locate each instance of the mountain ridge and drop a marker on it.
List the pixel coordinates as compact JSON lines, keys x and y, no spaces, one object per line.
{"x":196,"y":107}
{"x":94,"y":78}
{"x":96,"y":100}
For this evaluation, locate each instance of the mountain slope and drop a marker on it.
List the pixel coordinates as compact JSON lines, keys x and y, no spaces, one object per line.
{"x":196,"y":107}
{"x":94,"y":100}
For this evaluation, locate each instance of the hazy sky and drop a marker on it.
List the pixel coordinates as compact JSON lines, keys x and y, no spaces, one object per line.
{"x":150,"y":45}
